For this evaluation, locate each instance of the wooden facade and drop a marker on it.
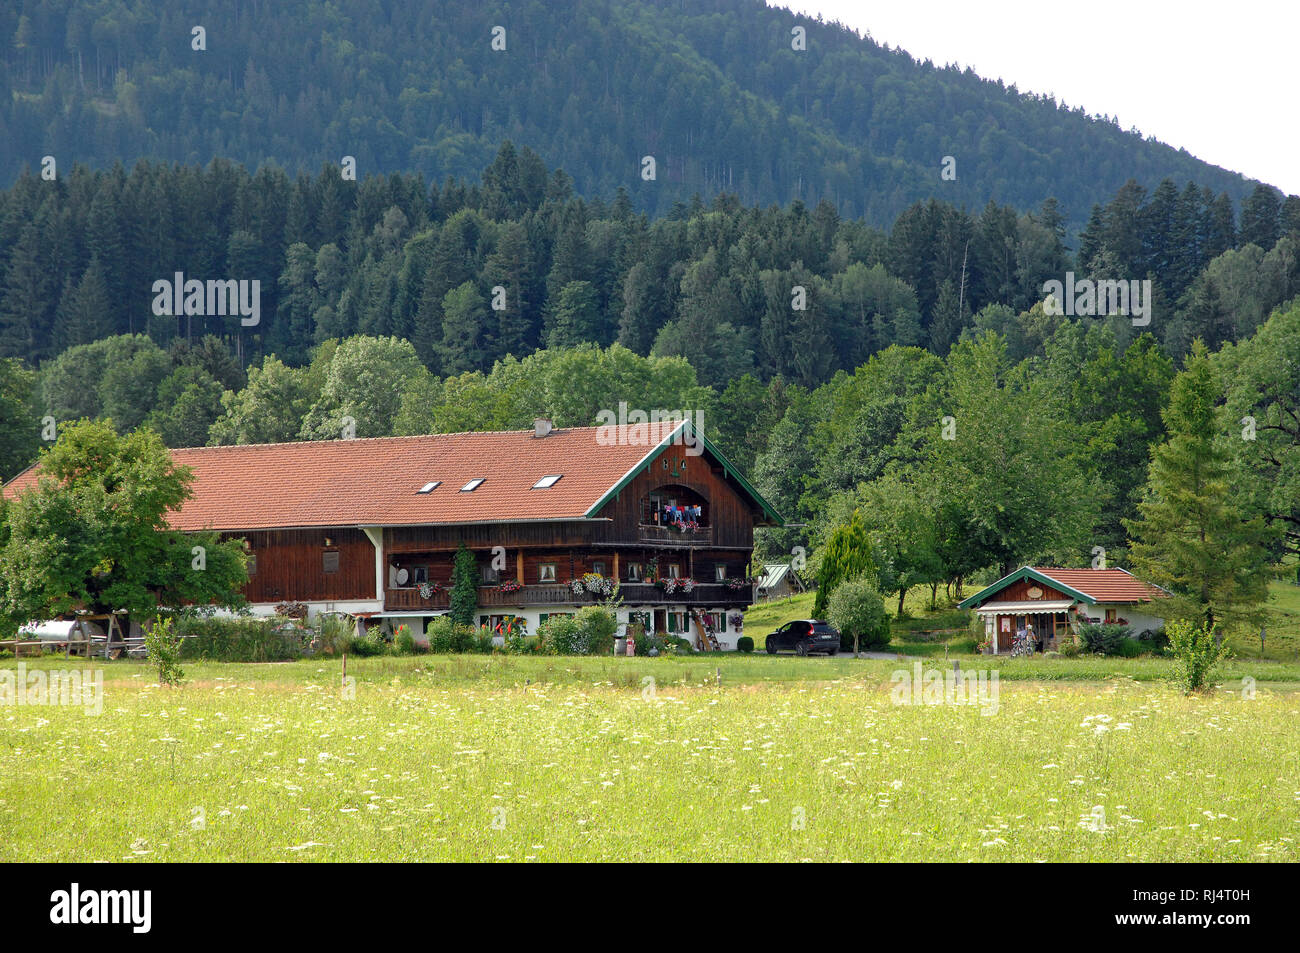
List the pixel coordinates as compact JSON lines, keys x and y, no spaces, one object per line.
{"x":309,"y":565}
{"x":626,"y":539}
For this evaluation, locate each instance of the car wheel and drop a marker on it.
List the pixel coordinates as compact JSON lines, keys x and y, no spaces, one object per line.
{"x":771,"y":647}
{"x":801,"y":648}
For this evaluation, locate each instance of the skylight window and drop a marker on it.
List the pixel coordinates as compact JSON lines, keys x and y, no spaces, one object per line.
{"x":547,"y":481}
{"x":472,"y":485}
{"x":429,"y":487}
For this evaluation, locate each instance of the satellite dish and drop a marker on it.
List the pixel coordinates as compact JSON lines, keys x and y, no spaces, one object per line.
{"x":402,"y":577}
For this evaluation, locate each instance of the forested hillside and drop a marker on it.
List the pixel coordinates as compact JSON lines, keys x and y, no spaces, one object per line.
{"x":472,"y":273}
{"x":821,"y":352}
{"x":712,"y":89}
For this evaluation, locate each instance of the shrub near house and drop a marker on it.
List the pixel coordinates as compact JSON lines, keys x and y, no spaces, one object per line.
{"x":857,"y":610}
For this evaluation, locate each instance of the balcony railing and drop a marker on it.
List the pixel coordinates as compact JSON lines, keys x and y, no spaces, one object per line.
{"x":545,"y":594}
{"x":703,"y":536}
{"x":552,"y":594}
{"x":396,"y":599}
{"x":703,"y":594}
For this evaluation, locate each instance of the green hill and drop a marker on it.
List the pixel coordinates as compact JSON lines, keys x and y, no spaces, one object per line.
{"x":711,"y":89}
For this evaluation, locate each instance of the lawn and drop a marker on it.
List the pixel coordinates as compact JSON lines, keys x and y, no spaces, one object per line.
{"x":929,"y":633}
{"x":718,"y":758}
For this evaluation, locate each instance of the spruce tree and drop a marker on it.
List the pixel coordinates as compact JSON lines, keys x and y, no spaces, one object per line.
{"x":1190,"y":536}
{"x":464,"y":315}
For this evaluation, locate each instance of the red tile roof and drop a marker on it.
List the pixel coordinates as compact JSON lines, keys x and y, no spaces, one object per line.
{"x":1105,"y":585}
{"x":374,"y":481}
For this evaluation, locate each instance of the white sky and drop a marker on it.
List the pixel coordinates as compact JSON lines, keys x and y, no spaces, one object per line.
{"x":1216,"y":78}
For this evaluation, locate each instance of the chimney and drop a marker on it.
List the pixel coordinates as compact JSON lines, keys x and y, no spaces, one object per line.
{"x":541,"y":427}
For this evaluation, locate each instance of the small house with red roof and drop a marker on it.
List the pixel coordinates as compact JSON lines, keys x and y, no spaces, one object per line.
{"x":1054,"y":601}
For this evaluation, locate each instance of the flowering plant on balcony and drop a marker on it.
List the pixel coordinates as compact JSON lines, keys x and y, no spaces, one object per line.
{"x":427,"y":589}
{"x":577,"y":587}
{"x":743,"y":582}
{"x":671,"y":585}
{"x":596,"y":584}
{"x":510,"y":585}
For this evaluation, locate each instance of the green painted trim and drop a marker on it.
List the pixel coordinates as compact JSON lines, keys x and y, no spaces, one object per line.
{"x":727,"y":469}
{"x":1024,"y":572}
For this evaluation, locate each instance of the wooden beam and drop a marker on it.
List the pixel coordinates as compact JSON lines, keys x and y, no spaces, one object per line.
{"x":519,"y":566}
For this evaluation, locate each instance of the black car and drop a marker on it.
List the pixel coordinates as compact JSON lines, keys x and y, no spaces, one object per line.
{"x":805,"y":636}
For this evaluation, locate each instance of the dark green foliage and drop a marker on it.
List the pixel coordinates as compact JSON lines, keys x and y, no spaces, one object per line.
{"x":1191,"y":534}
{"x":858,"y":612}
{"x":1103,"y":638}
{"x":848,"y":554}
{"x":415,"y":85}
{"x":239,"y":639}
{"x":20,"y":424}
{"x":464,"y":587}
{"x":744,"y":644}
{"x":92,"y":533}
{"x":444,"y":636}
{"x":589,"y":632}
{"x":716,"y":284}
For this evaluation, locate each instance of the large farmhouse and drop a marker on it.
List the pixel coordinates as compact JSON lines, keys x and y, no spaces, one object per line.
{"x":369,"y":527}
{"x":1052,"y":601}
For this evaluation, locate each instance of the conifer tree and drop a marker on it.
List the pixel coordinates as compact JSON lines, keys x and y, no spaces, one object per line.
{"x":1189,"y":536}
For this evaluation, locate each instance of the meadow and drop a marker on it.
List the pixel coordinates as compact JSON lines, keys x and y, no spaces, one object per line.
{"x":520,"y":759}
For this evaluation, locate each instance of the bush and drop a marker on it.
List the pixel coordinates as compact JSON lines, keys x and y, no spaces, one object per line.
{"x":335,"y":632}
{"x":598,"y":627}
{"x":558,"y":635}
{"x":444,"y":635}
{"x":744,"y":644}
{"x":1196,"y":650}
{"x":163,"y":644}
{"x":241,"y":639}
{"x":1103,"y":638}
{"x":371,"y":644}
{"x":647,"y":641}
{"x":1132,"y":648}
{"x":590,"y":632}
{"x":856,"y":609}
{"x":1154,"y":639}
{"x":404,"y":641}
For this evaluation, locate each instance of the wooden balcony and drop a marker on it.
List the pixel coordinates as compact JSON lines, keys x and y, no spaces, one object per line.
{"x":546,"y":594}
{"x":553,"y":594}
{"x":672,"y":536}
{"x":704,"y":594}
{"x":399,"y":599}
